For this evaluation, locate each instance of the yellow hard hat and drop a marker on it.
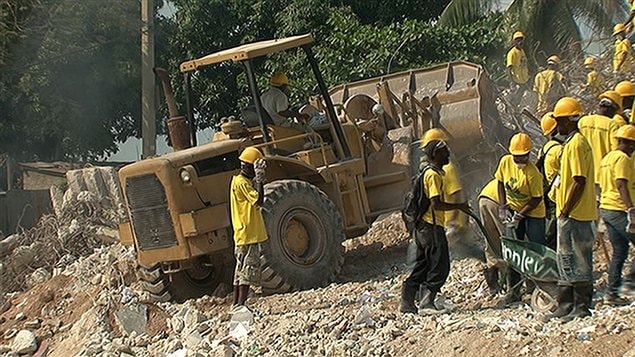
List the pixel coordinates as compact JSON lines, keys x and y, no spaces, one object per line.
{"x":625,"y":88}
{"x":520,"y":144}
{"x":433,"y":134}
{"x":553,"y":59}
{"x":567,"y":107}
{"x":279,"y":79}
{"x":618,"y":28}
{"x":518,"y":34}
{"x":614,"y":97}
{"x":548,"y":124}
{"x":250,"y":155}
{"x":626,"y":132}
{"x":589,"y":61}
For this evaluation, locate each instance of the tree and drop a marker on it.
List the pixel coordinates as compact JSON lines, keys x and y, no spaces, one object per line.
{"x":553,"y":26}
{"x":387,"y":12}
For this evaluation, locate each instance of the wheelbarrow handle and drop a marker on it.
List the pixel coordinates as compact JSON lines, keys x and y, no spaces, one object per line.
{"x":495,"y":248}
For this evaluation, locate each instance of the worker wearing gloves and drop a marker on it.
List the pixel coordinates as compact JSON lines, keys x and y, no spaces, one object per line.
{"x":548,"y":164}
{"x":626,"y":89}
{"x":432,"y":265}
{"x":488,"y":210}
{"x":576,"y":210}
{"x":517,"y":67}
{"x":595,"y":84}
{"x":520,"y":196}
{"x":599,"y":129}
{"x":549,"y":84}
{"x":623,"y":57}
{"x":246,"y":196}
{"x":617,"y":179}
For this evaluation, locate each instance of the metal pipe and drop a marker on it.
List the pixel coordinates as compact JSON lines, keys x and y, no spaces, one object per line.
{"x":187,"y":84}
{"x":253,"y":86}
{"x":342,"y":143}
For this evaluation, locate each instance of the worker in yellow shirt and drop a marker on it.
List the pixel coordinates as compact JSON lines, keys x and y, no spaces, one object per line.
{"x":455,"y":221}
{"x":599,"y":129}
{"x":549,"y":164}
{"x":626,"y":89}
{"x":246,"y":197}
{"x":629,"y":22}
{"x":520,"y":196}
{"x":617,"y":179}
{"x":488,"y":210}
{"x":432,"y":265}
{"x":577,"y":211}
{"x":549,"y":84}
{"x":517,"y":67}
{"x":623,"y":57}
{"x":595,"y":84}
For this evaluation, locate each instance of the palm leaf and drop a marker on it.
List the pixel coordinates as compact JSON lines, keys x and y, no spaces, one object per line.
{"x":463,"y":12}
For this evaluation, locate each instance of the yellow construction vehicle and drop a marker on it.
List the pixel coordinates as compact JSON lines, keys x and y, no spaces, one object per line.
{"x":323,"y":184}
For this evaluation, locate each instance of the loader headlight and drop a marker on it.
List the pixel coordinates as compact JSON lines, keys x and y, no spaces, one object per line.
{"x":186,"y":177}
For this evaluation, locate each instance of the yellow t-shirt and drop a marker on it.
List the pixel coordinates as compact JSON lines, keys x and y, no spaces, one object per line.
{"x":452,"y":185}
{"x":577,"y":160}
{"x":517,"y":59}
{"x":542,"y":83}
{"x":600,"y":134}
{"x":595,"y":83}
{"x":551,"y":161}
{"x":490,"y":190}
{"x":619,"y":120}
{"x":433,"y":187}
{"x":521,"y":185}
{"x":247,"y":221}
{"x":616,"y":165}
{"x":623,"y":49}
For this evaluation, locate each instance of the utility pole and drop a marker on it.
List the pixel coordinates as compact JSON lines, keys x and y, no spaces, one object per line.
{"x":148,"y":109}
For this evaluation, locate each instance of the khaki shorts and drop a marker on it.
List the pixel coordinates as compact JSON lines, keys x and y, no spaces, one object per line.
{"x":247,"y":264}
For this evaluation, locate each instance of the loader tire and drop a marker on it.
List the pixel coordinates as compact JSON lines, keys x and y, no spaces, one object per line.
{"x":183,"y":285}
{"x":305,"y":230}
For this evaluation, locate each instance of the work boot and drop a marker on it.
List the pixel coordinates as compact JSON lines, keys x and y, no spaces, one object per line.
{"x":491,"y":278}
{"x":615,"y":300}
{"x":582,"y":300}
{"x":426,"y":305}
{"x":513,"y":288}
{"x":565,"y":303}
{"x":407,"y":304}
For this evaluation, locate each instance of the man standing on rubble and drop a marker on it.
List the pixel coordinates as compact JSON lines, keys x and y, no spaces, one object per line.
{"x":246,"y":197}
{"x":549,"y":164}
{"x":594,"y":79}
{"x":520,"y":196}
{"x":432,"y":265}
{"x":623,"y":57}
{"x":617,"y":179}
{"x":626,"y":89}
{"x":517,"y":67}
{"x":549,"y":84}
{"x":577,"y":212}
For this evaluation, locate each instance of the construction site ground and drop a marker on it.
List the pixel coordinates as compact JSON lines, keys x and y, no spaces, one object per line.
{"x":79,"y":312}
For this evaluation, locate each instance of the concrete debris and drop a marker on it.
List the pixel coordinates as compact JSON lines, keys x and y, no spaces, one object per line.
{"x":24,"y":342}
{"x":133,"y":318}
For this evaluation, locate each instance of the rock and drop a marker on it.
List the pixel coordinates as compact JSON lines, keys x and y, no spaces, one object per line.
{"x":5,"y":348}
{"x":23,"y":256}
{"x":8,"y":244}
{"x":24,"y":342}
{"x":96,"y":280}
{"x":8,"y":334}
{"x":191,"y":319}
{"x":20,"y":316}
{"x":39,"y":276}
{"x":34,"y":325}
{"x":107,"y":235}
{"x":193,"y":340}
{"x":133,"y":318}
{"x":177,"y":324}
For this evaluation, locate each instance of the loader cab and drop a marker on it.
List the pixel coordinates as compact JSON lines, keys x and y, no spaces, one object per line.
{"x":317,"y":145}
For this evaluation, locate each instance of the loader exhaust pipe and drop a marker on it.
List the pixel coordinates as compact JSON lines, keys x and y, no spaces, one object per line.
{"x":178,"y":129}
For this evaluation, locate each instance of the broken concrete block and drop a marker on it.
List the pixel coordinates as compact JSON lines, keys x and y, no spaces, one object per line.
{"x":24,"y":342}
{"x":133,"y":318}
{"x":107,"y":235}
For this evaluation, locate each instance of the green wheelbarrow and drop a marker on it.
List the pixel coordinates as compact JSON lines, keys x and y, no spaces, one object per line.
{"x":532,"y":261}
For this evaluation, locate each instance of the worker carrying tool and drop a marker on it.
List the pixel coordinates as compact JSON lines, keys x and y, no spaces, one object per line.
{"x":517,"y":67}
{"x":548,"y":164}
{"x":432,"y":265}
{"x":577,"y":211}
{"x":617,"y":180}
{"x":520,"y":196}
{"x":276,"y":102}
{"x":246,"y":197}
{"x":549,"y":84}
{"x":599,"y":129}
{"x":623,"y":57}
{"x":595,"y":83}
{"x":626,"y":89}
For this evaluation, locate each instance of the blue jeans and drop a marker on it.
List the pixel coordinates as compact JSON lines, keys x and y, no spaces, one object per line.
{"x":534,"y":228}
{"x":575,"y":250}
{"x":616,"y":227}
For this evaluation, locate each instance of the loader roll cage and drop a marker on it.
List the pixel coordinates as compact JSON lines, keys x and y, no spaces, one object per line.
{"x":245,"y":54}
